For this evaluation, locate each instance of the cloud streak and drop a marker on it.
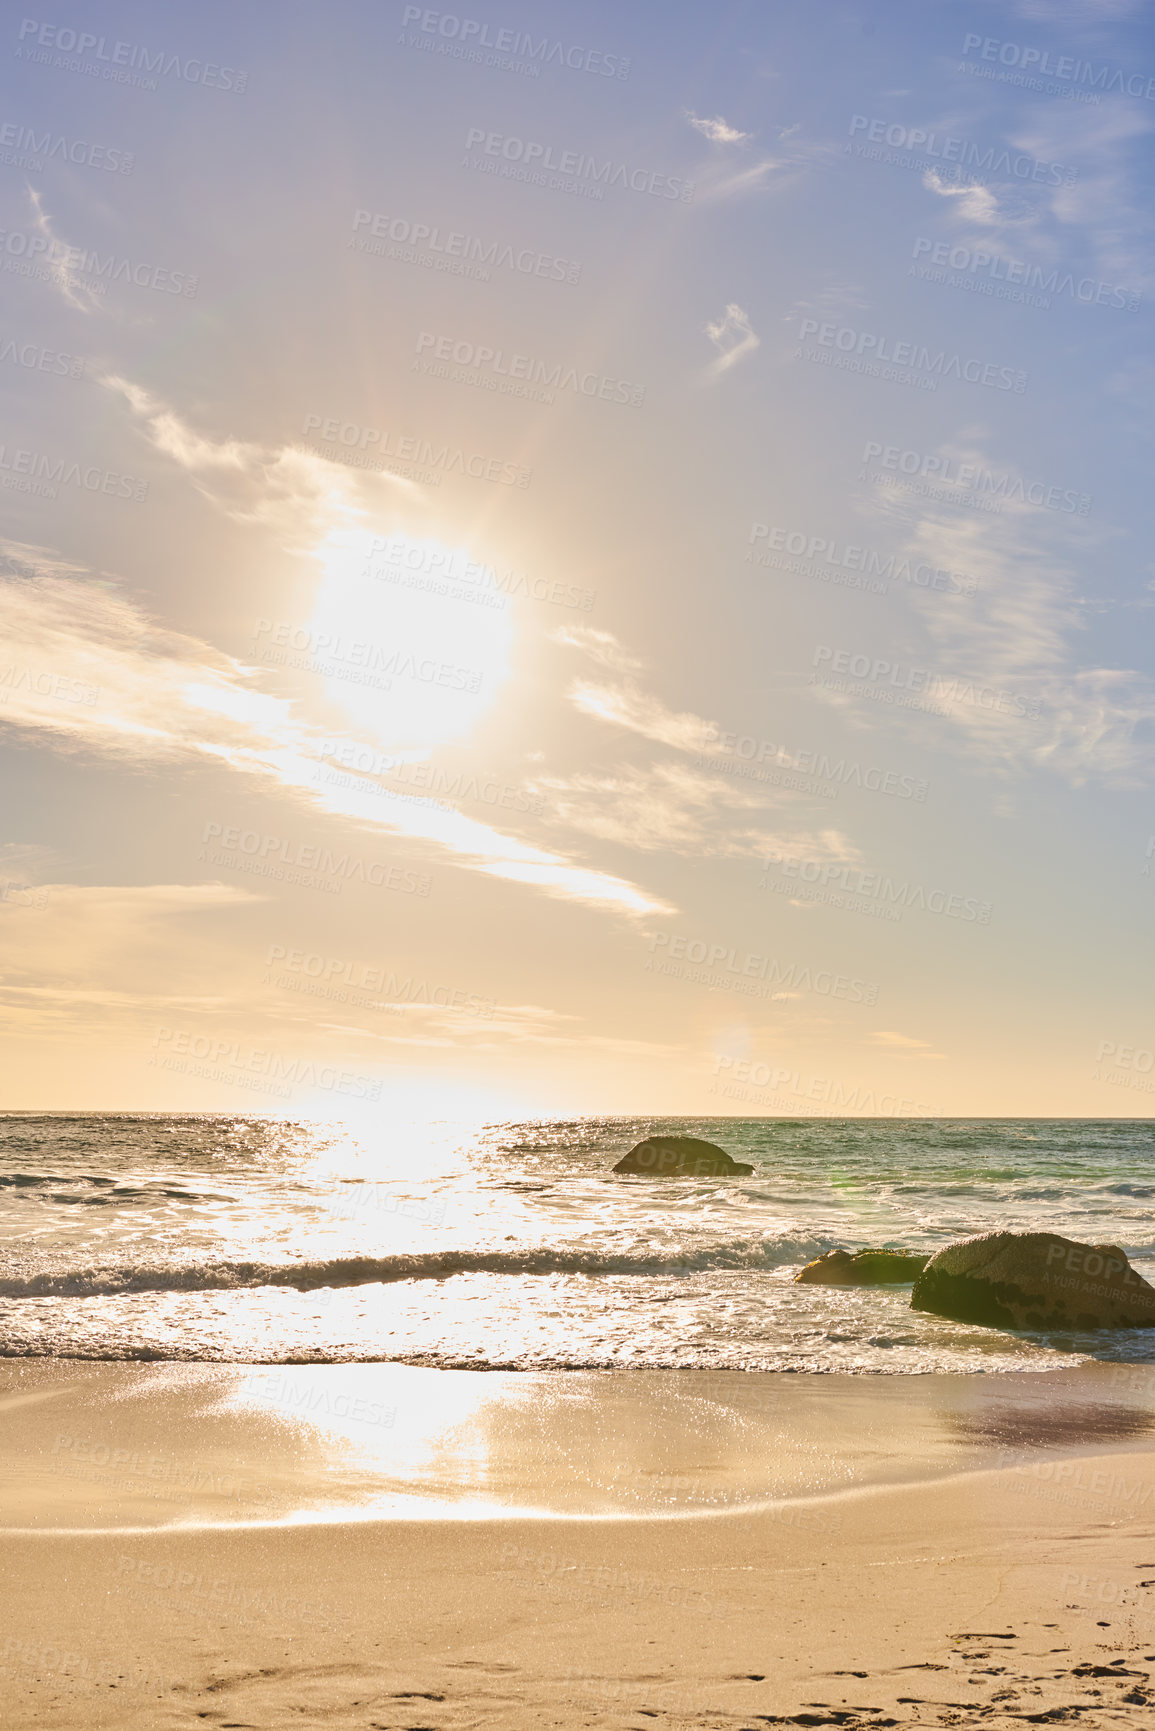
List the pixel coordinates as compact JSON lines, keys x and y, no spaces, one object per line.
{"x":733,"y":336}
{"x":717,"y":130}
{"x":90,"y":672}
{"x":672,"y":808}
{"x":79,"y":297}
{"x":1022,"y":632}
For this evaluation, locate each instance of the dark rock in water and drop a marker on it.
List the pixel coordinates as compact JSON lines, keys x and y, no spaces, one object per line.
{"x":680,"y":1157}
{"x":864,"y":1268}
{"x":1034,"y":1280}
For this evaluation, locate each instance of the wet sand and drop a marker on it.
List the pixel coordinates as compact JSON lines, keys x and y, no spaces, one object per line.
{"x":1000,"y":1572}
{"x":92,"y":1444}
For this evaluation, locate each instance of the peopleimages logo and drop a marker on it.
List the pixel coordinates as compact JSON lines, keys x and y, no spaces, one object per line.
{"x":228,"y":1056}
{"x":1125,"y":1057}
{"x":831,"y":876}
{"x":432,"y":782}
{"x":41,"y":360}
{"x":929,"y":465}
{"x":885,"y":566}
{"x":61,"y":687}
{"x":828,"y":984}
{"x":482,"y":358}
{"x":333,"y":971}
{"x":33,"y":472}
{"x":41,"y":147}
{"x":368,"y":447}
{"x":947,"y":688}
{"x":740,"y":1075}
{"x":78,"y":260}
{"x":310,"y":864}
{"x":449,"y":565}
{"x":275,"y":1386}
{"x":867,"y":344}
{"x":1040,"y":61}
{"x":326,"y":652}
{"x":848,"y":772}
{"x":936,"y":149}
{"x":453,"y":248}
{"x":573,"y":165}
{"x":470,"y":33}
{"x":119,"y":62}
{"x":1036,"y":278}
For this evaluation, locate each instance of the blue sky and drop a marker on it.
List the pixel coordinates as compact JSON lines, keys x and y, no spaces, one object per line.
{"x":568,"y":560}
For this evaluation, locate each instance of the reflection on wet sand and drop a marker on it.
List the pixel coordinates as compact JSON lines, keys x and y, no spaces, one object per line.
{"x":90,"y":1445}
{"x":1041,"y":1424}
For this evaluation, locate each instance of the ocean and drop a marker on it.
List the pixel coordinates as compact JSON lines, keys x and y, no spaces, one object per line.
{"x":225,"y":1238}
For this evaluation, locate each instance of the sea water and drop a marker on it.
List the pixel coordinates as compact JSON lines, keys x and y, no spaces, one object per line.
{"x":232,"y":1239}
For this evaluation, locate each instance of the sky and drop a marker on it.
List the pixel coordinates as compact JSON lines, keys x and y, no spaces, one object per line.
{"x":578,"y":559}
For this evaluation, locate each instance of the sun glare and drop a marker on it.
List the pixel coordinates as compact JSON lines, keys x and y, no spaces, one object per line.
{"x":416,"y":647}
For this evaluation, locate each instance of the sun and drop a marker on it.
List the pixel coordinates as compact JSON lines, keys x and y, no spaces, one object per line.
{"x":412,"y":643}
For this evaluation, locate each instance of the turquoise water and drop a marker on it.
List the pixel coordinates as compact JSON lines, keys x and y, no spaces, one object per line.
{"x":232,"y":1239}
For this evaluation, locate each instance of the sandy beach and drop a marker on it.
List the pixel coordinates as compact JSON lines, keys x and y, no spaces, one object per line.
{"x":994,"y":1594}
{"x":577,"y":856}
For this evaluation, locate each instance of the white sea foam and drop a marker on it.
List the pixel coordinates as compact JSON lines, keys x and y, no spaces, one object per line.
{"x":239,"y":1239}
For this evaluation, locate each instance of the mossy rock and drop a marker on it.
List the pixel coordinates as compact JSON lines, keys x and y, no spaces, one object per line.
{"x":863,"y":1268}
{"x":1035,"y":1281}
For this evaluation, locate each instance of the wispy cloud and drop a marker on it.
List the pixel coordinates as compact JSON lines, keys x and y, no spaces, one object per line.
{"x":1108,"y":207}
{"x":1104,"y":211}
{"x":32,"y":562}
{"x":904,"y":1045}
{"x":672,"y":808}
{"x":297,"y":492}
{"x":733,"y":336}
{"x":676,"y":807}
{"x":627,"y":705}
{"x":90,"y":672}
{"x":726,"y":183}
{"x":718,"y":131}
{"x":600,"y":646}
{"x":737,"y":170}
{"x":1021,"y":634}
{"x":636,"y":710}
{"x":984,"y":206}
{"x":88,"y":668}
{"x":78,"y":296}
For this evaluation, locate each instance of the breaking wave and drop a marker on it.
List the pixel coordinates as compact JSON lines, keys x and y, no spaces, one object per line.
{"x":760,"y":1256}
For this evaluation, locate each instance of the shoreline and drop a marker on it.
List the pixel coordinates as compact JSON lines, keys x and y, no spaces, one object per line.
{"x":915,"y":1603}
{"x":931,"y":1547}
{"x":96,"y":1445}
{"x":807,"y":1511}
